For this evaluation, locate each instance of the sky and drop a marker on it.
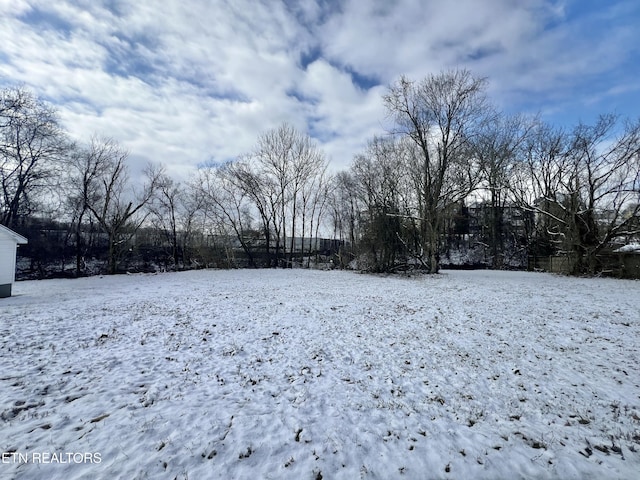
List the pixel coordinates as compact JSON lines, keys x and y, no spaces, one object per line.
{"x":184,"y":83}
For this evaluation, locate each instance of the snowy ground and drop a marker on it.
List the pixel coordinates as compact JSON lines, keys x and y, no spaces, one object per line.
{"x":308,"y":375}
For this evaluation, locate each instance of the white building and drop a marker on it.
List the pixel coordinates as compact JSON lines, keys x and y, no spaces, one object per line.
{"x":9,"y":241}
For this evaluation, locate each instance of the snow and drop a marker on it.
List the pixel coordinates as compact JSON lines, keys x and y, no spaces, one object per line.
{"x":629,"y":248}
{"x":307,"y":374}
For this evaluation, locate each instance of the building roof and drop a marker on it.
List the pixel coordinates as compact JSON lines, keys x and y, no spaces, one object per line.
{"x":629,"y":248}
{"x":19,"y":239}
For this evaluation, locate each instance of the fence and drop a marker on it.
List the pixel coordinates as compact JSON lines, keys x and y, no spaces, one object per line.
{"x":618,"y":265}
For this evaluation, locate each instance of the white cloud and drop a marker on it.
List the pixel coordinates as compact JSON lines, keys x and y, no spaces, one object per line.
{"x":182,"y":82}
{"x":14,"y":7}
{"x":344,"y":114}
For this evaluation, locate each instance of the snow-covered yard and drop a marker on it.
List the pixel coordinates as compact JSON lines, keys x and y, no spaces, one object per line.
{"x":308,"y":375}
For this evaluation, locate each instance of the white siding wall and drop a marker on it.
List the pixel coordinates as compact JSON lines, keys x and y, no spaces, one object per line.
{"x":7,"y":260}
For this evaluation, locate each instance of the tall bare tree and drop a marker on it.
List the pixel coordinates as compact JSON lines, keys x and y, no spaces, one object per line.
{"x":345,"y":207}
{"x":227,"y":190}
{"x":86,"y":166}
{"x":584,"y":187}
{"x":498,"y":147}
{"x":166,"y":207}
{"x":32,"y":148}
{"x":286,"y":161}
{"x":601,"y":190}
{"x":383,"y":183}
{"x":115,"y":205}
{"x":315,"y":198}
{"x":441,"y":115}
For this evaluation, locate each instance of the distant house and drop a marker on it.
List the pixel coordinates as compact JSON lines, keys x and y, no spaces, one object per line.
{"x":9,"y":241}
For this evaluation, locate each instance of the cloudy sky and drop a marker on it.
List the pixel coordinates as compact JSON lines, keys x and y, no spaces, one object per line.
{"x":183,"y":82}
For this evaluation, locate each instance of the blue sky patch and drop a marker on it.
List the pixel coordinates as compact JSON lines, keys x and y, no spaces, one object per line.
{"x":45,"y":20}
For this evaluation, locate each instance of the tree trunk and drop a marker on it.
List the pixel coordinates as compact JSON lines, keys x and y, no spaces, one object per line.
{"x":111,"y":261}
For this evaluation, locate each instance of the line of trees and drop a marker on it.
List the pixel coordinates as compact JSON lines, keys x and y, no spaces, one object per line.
{"x":449,"y":146}
{"x":398,"y":205}
{"x":279,"y":191}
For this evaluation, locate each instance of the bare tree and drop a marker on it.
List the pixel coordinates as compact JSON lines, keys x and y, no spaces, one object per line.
{"x":263,"y":193}
{"x":345,"y":207}
{"x":382,"y":180}
{"x":536,"y":184}
{"x":279,"y":188}
{"x":498,"y":148}
{"x":308,"y":193}
{"x":285,"y":162}
{"x":601,"y":190}
{"x":32,"y":148}
{"x":86,"y":167}
{"x":114,"y":204}
{"x":315,"y":198}
{"x":226,"y":192}
{"x":440,"y":115}
{"x":192,"y":204}
{"x":584,"y":187}
{"x":166,"y":209}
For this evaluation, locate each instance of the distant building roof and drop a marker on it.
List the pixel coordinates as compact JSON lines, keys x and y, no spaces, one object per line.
{"x":630,"y":248}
